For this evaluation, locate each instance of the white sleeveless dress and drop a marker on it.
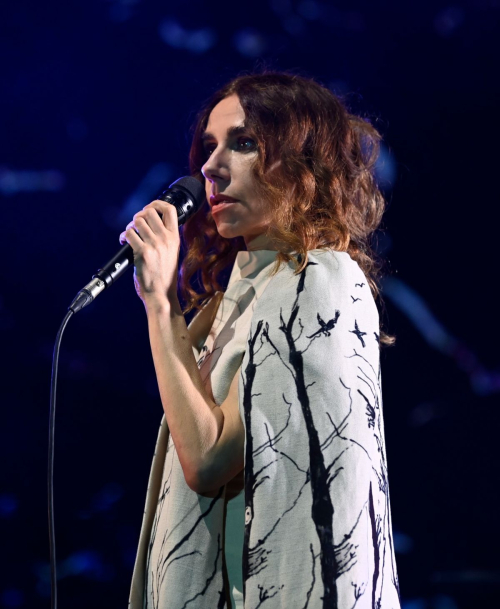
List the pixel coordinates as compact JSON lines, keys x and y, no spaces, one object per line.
{"x":218,"y":361}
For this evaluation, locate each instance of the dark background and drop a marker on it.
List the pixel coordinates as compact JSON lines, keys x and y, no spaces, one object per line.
{"x":97,"y":101}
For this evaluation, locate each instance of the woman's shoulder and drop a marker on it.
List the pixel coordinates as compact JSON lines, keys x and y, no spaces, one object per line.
{"x":334,"y":261}
{"x":329,"y":276}
{"x":327,"y":267}
{"x":330,"y":292}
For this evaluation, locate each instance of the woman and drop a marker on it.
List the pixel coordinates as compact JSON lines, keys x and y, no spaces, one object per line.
{"x":269,"y":480}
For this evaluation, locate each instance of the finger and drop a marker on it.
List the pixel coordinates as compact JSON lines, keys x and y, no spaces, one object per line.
{"x":153,"y":219}
{"x":168,"y":213}
{"x":133,"y":239}
{"x":141,"y":226}
{"x":130,"y":225}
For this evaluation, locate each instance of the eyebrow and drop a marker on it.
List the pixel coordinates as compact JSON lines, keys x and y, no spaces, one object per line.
{"x":231,"y":132}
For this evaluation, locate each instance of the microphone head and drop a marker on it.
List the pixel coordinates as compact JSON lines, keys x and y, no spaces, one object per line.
{"x":187,"y":195}
{"x":192,"y":187}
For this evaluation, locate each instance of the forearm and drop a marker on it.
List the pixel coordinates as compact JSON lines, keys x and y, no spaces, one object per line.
{"x":193,"y":418}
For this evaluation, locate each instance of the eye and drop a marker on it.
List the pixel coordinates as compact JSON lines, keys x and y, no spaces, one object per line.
{"x":208,"y":149}
{"x":246,"y":144}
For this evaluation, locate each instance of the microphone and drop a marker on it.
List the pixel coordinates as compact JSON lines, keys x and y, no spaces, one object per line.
{"x":186,"y":195}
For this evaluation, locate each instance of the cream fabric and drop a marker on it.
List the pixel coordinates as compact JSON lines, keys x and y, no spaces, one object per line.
{"x":317,"y":521}
{"x":179,"y":508}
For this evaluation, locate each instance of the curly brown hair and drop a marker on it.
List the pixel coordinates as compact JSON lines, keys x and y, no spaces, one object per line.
{"x":326,"y":152}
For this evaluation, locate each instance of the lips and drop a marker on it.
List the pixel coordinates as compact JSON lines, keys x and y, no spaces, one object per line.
{"x":220,"y":206}
{"x":220,"y":198}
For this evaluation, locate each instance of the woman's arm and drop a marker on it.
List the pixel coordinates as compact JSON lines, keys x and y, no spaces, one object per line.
{"x":193,"y":418}
{"x":209,"y":441}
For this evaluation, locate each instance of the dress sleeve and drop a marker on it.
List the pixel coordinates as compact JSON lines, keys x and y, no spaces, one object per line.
{"x":317,"y":519}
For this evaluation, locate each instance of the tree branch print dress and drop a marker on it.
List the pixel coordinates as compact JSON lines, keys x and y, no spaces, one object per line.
{"x":315,"y":508}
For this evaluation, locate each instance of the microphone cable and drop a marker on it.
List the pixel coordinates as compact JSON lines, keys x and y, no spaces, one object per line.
{"x":187,"y":195}
{"x":50,"y":469}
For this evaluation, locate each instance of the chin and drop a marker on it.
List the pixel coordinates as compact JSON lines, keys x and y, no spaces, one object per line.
{"x":228,"y":232}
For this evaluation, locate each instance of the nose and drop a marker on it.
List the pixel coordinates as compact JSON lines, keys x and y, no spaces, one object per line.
{"x":216,"y":167}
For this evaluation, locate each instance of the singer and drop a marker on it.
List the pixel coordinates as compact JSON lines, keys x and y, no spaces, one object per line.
{"x":269,"y":484}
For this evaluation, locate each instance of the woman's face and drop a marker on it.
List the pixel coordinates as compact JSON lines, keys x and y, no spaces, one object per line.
{"x":230,"y":186}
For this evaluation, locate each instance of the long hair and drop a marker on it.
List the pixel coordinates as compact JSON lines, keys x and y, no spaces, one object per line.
{"x":326,"y":153}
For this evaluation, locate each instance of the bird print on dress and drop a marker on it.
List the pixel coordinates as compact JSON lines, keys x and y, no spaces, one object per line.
{"x":346,"y":508}
{"x":317,"y":521}
{"x":326,"y":327}
{"x":358,"y":333}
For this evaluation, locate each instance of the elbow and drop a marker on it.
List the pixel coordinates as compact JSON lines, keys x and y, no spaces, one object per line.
{"x":199,"y":483}
{"x":195,"y":485}
{"x":193,"y":481}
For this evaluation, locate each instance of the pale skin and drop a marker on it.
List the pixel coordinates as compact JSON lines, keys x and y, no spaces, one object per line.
{"x":209,"y":438}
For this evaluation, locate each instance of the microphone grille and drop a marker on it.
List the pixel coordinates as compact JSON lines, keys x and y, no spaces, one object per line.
{"x":194,"y":188}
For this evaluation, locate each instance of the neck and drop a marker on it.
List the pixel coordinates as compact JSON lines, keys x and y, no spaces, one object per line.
{"x":260,"y":242}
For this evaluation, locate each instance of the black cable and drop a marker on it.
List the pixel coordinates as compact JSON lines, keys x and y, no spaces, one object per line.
{"x":187,"y":196}
{"x":50,"y":473}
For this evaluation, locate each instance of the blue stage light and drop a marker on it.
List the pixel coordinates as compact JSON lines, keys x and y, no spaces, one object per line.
{"x":309,"y":9}
{"x":12,"y":598}
{"x":196,"y":41}
{"x":8,"y":505}
{"x":448,"y":20}
{"x":13,"y":181}
{"x":385,"y":168}
{"x":249,"y":42}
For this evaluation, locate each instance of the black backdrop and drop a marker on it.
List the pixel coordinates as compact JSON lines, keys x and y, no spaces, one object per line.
{"x":97,"y":100}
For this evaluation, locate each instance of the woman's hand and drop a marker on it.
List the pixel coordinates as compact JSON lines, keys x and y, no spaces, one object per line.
{"x":156,"y":243}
